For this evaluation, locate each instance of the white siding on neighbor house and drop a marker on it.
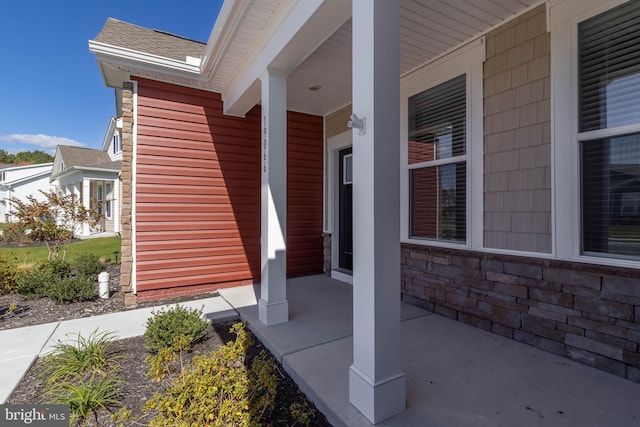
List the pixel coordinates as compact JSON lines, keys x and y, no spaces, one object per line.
{"x":20,"y":182}
{"x":19,"y":172}
{"x":115,"y":147}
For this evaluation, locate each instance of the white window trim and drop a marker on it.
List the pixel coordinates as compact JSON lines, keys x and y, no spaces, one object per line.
{"x":564,"y":17}
{"x":334,"y":144}
{"x":345,"y":181}
{"x":100,"y":196}
{"x":108,"y":198}
{"x":468,"y":59}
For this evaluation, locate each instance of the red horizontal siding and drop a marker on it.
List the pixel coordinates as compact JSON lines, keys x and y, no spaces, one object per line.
{"x":179,"y":291}
{"x":197,"y":192}
{"x":304,"y":194}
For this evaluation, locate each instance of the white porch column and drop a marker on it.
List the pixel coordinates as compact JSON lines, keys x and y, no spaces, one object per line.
{"x":273,"y":307}
{"x":376,"y":382}
{"x":86,"y":202}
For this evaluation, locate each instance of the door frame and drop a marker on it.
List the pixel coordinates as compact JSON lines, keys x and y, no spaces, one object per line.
{"x":335,"y":144}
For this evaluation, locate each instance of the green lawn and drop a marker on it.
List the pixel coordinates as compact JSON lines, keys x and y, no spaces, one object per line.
{"x":103,"y":247}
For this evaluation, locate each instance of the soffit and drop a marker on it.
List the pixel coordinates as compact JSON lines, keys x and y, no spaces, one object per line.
{"x":248,"y":32}
{"x":428,"y":29}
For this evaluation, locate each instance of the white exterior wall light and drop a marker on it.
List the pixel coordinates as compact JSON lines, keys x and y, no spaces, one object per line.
{"x":358,"y":123}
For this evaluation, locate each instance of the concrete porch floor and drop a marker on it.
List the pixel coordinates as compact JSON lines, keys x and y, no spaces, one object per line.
{"x":456,"y":375}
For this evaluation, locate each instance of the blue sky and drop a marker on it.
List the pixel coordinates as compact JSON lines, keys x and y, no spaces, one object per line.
{"x":51,"y":91}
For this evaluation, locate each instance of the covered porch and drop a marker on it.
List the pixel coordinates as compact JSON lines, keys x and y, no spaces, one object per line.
{"x":95,"y":193}
{"x":456,"y":375}
{"x":372,"y":59}
{"x":321,"y":57}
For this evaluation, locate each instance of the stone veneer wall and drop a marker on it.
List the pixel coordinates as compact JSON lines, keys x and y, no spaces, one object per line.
{"x":588,"y":313}
{"x":517,"y":135}
{"x":326,"y":251}
{"x":126,"y":262}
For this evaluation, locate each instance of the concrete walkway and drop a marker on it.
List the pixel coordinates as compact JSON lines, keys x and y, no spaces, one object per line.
{"x":456,"y":375}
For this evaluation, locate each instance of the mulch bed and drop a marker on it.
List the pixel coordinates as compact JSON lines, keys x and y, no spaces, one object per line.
{"x":16,"y":312}
{"x":138,"y":388}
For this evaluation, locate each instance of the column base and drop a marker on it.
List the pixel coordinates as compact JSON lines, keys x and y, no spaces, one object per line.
{"x":377,"y":399}
{"x":273,"y":313}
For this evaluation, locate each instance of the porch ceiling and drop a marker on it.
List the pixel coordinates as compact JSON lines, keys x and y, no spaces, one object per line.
{"x":428,"y":28}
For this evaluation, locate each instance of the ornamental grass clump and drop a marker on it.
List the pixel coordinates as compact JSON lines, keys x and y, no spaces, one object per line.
{"x":83,"y":375}
{"x":165,"y":326}
{"x":82,"y":357}
{"x":87,"y":397}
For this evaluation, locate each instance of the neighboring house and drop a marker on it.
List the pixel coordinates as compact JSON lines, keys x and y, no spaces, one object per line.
{"x":18,"y":182}
{"x":93,"y":176}
{"x":500,"y":190}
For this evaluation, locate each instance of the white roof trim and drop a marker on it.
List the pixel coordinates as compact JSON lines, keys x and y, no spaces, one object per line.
{"x":73,"y":169}
{"x":109,"y":135}
{"x":152,"y":62}
{"x":10,"y":184}
{"x":23,"y":167}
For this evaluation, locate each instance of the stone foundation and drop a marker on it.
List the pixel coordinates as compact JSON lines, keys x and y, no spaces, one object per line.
{"x":326,"y":251}
{"x":126,"y":263}
{"x":588,"y":313}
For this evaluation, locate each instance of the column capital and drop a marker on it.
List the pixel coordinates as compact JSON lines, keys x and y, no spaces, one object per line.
{"x":273,"y":72}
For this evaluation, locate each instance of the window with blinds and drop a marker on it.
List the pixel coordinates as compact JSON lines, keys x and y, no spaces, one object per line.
{"x":609,"y":131}
{"x":438,"y":162}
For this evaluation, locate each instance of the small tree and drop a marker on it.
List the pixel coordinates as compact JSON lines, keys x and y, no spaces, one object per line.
{"x":55,"y":219}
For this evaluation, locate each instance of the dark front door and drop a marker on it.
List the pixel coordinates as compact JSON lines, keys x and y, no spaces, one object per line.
{"x":345,"y":209}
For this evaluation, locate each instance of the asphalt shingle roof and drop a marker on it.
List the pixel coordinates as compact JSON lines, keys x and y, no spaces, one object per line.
{"x":129,"y":36}
{"x":87,"y":157}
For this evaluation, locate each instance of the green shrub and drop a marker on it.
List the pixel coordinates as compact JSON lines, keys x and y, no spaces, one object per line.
{"x":72,"y":289}
{"x":14,"y":233}
{"x":88,"y":265}
{"x":163,"y":362}
{"x":9,"y":273}
{"x":59,"y":268}
{"x":164,"y":326}
{"x":52,"y":279}
{"x":218,"y":389}
{"x":35,"y":283}
{"x":302,"y":413}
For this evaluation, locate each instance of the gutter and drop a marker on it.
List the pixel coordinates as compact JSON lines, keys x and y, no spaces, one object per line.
{"x":124,"y":56}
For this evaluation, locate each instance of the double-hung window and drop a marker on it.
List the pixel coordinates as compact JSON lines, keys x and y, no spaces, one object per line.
{"x":107,"y":203}
{"x":609,"y":131}
{"x":437,"y":162}
{"x":100,"y":200}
